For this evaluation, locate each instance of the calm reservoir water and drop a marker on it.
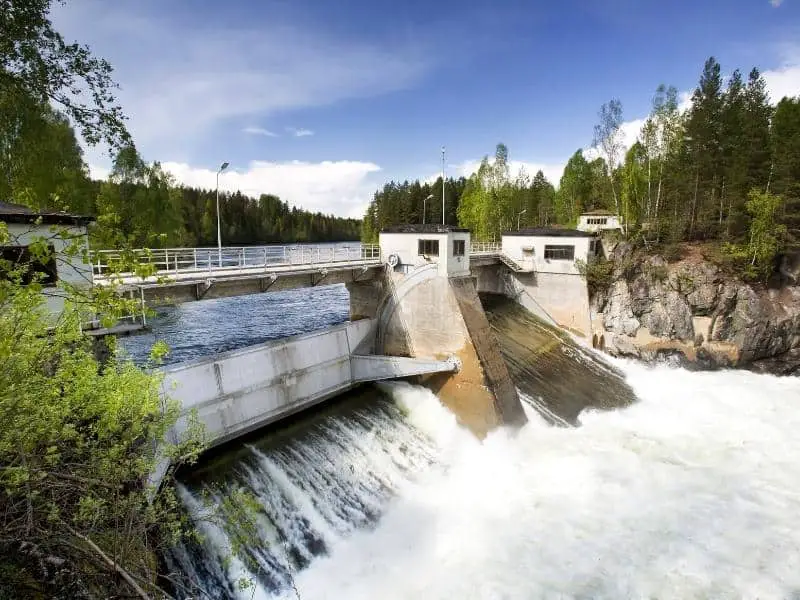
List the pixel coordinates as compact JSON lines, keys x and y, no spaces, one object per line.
{"x":675,"y":484}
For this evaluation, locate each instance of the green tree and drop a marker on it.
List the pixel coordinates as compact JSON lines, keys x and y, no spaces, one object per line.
{"x":41,"y":163}
{"x":705,"y":145}
{"x":608,"y":141}
{"x":77,"y":446}
{"x":574,"y":190}
{"x":766,"y":236}
{"x":634,"y":184}
{"x":36,"y":62}
{"x":785,"y":179}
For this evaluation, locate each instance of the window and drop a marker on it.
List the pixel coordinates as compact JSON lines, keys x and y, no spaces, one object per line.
{"x":559,"y":252}
{"x":429,"y":247}
{"x":13,"y":257}
{"x":459,"y":247}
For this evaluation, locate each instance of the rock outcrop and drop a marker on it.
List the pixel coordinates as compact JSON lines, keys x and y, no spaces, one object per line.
{"x":694,"y":311}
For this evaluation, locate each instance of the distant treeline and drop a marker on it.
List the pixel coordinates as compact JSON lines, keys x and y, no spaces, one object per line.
{"x":140,"y":204}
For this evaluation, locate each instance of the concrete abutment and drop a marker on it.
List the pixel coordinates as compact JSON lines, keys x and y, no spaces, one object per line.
{"x":427,"y":315}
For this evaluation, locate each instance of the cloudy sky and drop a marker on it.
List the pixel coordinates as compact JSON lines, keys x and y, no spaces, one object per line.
{"x":322,"y":102}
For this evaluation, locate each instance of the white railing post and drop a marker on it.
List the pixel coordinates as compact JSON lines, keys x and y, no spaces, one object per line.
{"x":194,"y":253}
{"x":265,"y":256}
{"x":166,"y":259}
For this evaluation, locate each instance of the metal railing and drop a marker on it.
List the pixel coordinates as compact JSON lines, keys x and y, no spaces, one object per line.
{"x":171,"y":261}
{"x":476,"y":248}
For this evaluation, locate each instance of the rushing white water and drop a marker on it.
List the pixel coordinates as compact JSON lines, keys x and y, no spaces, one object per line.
{"x":693,"y":492}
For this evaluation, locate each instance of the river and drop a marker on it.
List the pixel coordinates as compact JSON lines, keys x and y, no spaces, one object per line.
{"x":689,"y":489}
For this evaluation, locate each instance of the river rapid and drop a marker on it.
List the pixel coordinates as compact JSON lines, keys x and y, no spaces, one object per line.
{"x":688,"y":488}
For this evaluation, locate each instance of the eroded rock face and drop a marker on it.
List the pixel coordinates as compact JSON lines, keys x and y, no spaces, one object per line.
{"x":762,"y":325}
{"x":618,"y":316}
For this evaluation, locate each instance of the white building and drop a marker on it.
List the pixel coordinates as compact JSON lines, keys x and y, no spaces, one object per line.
{"x":60,"y":230}
{"x":405,"y":247}
{"x":599,"y":220}
{"x":547,"y":281}
{"x":549,"y":250}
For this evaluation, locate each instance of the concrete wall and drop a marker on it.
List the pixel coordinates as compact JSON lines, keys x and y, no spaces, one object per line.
{"x":563,"y":298}
{"x":365,"y":296}
{"x":556,"y":299}
{"x":430,"y":316}
{"x":239,"y":391}
{"x":406,"y":246}
{"x":529,"y":252}
{"x":71,"y":269}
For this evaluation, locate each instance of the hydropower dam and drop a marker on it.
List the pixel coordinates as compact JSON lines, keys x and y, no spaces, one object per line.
{"x":683,"y":489}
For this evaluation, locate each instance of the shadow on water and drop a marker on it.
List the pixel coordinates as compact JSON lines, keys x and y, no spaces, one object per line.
{"x":557,"y":376}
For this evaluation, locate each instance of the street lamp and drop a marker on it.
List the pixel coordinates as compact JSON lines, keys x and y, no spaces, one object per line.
{"x":222,"y":167}
{"x":522,"y":212}
{"x":443,"y":213}
{"x":424,"y":207}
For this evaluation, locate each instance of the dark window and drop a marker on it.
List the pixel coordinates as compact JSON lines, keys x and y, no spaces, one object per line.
{"x":559,"y":252}
{"x":459,"y":247}
{"x":14,"y":257}
{"x":429,"y":247}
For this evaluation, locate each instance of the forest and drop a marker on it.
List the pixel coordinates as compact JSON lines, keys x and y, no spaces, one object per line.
{"x":140,"y":204}
{"x":726,"y":169}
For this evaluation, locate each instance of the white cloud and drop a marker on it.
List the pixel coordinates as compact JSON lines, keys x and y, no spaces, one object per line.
{"x":177,"y":80}
{"x":341,"y":187}
{"x":98,"y":172}
{"x":776,"y":3}
{"x":785,"y":80}
{"x":259,"y":131}
{"x":300,"y":132}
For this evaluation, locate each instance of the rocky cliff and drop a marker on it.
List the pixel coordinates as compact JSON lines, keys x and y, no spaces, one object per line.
{"x":691,"y":309}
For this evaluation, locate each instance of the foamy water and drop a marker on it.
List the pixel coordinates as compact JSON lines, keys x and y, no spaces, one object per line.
{"x":693,"y":492}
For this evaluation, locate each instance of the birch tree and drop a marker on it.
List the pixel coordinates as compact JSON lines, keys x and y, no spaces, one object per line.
{"x":608,"y":141}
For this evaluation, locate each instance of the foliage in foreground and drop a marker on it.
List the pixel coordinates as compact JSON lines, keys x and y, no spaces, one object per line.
{"x":597,"y":272}
{"x":77,"y":444}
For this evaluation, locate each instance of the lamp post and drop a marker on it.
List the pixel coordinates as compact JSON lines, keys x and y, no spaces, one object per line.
{"x":222,"y":167}
{"x":443,"y":213}
{"x":522,"y":212}
{"x":424,"y":207}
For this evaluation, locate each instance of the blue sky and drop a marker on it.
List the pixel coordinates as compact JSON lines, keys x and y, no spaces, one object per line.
{"x":322,"y":102}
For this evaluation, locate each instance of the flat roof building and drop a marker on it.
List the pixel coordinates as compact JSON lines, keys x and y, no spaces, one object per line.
{"x":60,"y":230}
{"x":599,"y":220}
{"x":405,"y":247}
{"x":549,"y":249}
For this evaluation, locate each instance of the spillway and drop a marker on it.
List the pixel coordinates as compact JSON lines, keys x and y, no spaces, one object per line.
{"x":674,"y":485}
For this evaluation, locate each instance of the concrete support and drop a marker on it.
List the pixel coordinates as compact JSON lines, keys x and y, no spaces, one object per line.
{"x":556,"y":297}
{"x":202,"y":288}
{"x":378,"y":368}
{"x":365,"y":296}
{"x":426,"y":315}
{"x":561,"y":299}
{"x":506,"y":401}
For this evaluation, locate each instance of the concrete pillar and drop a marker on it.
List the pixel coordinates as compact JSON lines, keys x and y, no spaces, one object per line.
{"x":365,"y":297}
{"x":430,"y":316}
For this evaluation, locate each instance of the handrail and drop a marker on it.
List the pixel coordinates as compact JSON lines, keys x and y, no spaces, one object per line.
{"x":171,"y":261}
{"x":485,"y":248}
